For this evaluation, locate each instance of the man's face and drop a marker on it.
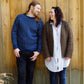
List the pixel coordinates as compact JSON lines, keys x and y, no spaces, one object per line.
{"x":36,"y":10}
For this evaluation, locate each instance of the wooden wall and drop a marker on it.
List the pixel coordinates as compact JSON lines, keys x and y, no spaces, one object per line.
{"x":83,"y":41}
{"x":73,"y":13}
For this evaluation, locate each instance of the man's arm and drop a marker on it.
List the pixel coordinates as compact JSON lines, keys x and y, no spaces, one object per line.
{"x":14,"y":37}
{"x":36,"y":53}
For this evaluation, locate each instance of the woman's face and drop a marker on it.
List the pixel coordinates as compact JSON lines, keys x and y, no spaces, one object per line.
{"x":52,"y":14}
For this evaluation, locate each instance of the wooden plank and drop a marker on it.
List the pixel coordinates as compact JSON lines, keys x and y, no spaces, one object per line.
{"x":63,"y":4}
{"x":15,"y":9}
{"x":74,"y":19}
{"x":1,"y":42}
{"x":48,"y":5}
{"x":25,"y":4}
{"x":54,"y":3}
{"x":6,"y":33}
{"x":13,"y":14}
{"x":83,"y":41}
{"x":81,"y":36}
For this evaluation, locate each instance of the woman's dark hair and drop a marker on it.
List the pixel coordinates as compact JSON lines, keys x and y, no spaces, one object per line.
{"x":58,"y":15}
{"x":33,"y":3}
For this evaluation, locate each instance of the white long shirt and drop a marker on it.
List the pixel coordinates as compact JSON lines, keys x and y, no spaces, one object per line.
{"x":57,"y":62}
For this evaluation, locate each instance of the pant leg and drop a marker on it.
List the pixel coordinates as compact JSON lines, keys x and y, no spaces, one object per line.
{"x":21,"y":67}
{"x":62,"y":76}
{"x":30,"y":71}
{"x":53,"y":77}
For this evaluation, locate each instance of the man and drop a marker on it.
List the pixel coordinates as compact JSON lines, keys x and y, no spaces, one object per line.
{"x":26,"y":39}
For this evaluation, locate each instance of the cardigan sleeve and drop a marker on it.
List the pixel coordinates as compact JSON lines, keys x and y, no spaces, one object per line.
{"x":69,"y":49}
{"x":44,"y":42}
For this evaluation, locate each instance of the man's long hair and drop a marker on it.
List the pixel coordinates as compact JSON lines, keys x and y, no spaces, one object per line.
{"x":33,"y":3}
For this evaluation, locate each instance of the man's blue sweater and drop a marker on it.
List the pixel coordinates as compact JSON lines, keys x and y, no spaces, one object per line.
{"x":27,"y":33}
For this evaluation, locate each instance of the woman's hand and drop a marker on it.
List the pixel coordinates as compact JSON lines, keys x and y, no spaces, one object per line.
{"x":66,"y":58}
{"x":48,"y":59}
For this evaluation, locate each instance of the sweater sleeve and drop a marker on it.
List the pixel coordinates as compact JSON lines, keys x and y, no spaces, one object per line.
{"x":40,"y":27}
{"x":14,"y":33}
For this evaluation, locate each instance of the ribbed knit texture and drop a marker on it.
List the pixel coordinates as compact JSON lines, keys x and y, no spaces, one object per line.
{"x":27,"y":33}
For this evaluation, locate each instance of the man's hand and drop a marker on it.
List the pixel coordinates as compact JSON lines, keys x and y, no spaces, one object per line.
{"x":34,"y":57}
{"x":48,"y":59}
{"x":16,"y":52}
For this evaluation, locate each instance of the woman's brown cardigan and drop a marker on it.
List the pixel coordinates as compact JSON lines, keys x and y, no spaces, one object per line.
{"x":66,"y":40}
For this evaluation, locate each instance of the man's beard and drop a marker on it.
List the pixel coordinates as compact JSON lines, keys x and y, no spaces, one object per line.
{"x":34,"y":14}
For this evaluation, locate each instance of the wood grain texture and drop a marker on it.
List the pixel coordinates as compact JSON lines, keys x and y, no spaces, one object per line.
{"x":1,"y":42}
{"x":73,"y":14}
{"x":74,"y":21}
{"x":81,"y":35}
{"x":48,"y":5}
{"x":73,"y":11}
{"x":6,"y":33}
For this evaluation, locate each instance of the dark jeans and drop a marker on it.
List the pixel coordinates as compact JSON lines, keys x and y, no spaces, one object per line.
{"x":62,"y":77}
{"x":25,"y":67}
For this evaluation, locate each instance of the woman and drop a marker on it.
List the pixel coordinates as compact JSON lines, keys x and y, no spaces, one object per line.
{"x":57,"y":41}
